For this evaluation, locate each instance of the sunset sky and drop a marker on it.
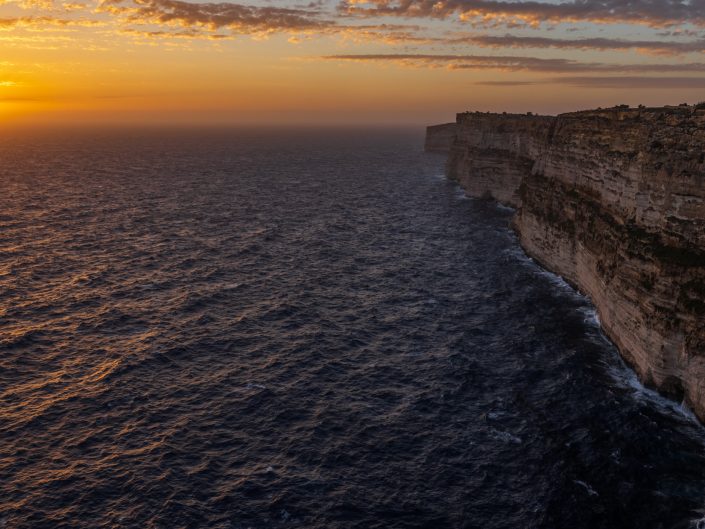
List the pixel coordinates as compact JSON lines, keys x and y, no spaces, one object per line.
{"x":354,"y":61}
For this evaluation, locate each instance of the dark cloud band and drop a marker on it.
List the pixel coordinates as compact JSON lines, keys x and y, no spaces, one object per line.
{"x":236,"y":17}
{"x":512,"y":63}
{"x":601,"y":44}
{"x":656,"y":13}
{"x":615,"y":82}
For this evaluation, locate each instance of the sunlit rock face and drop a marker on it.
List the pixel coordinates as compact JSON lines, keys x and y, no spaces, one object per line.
{"x":614,"y":201}
{"x":494,"y":152}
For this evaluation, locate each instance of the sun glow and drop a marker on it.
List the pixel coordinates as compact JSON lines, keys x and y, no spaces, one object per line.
{"x":174,"y":60}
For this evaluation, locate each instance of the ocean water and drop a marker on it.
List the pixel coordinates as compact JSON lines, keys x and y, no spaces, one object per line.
{"x":314,"y":329}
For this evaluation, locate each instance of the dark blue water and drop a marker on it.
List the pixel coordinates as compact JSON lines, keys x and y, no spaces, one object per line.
{"x":228,"y":329}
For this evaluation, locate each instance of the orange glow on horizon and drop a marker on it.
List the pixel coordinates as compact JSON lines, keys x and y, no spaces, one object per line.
{"x":119,"y":61}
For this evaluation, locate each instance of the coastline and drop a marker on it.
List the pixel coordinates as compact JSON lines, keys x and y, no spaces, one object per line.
{"x":603,"y":200}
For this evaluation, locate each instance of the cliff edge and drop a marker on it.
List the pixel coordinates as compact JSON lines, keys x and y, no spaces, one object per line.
{"x":614,"y":201}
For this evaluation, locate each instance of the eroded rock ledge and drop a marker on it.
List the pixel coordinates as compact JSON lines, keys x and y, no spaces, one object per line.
{"x":614,"y":201}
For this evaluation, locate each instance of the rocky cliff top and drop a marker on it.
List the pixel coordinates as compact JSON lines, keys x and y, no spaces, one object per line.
{"x":695,"y":113}
{"x":622,"y":112}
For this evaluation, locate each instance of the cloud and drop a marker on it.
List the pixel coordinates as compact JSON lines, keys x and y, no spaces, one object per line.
{"x":389,"y":34}
{"x":507,"y":83}
{"x":613,"y":82}
{"x":492,"y":13}
{"x":180,"y":34}
{"x":640,"y":82}
{"x":179,"y":19}
{"x":74,"y":6}
{"x":38,"y":42}
{"x":238,"y":18}
{"x":602,"y":44}
{"x":44,"y":21}
{"x":36,"y":4}
{"x":512,"y":63}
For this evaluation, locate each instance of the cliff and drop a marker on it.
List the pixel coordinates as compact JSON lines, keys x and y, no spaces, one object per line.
{"x":614,"y":201}
{"x":440,"y":138}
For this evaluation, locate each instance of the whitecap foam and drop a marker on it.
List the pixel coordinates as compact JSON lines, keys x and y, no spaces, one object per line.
{"x":505,"y":437}
{"x":627,"y":378}
{"x":698,"y":523}
{"x":590,"y":316}
{"x":588,"y":488}
{"x":460,"y":193}
{"x":504,"y":207}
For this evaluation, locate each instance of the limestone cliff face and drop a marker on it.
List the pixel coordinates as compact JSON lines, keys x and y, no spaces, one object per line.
{"x":493,"y":153}
{"x":614,"y":201}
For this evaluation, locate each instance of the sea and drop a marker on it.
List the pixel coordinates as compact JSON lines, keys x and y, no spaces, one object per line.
{"x":313,"y":328}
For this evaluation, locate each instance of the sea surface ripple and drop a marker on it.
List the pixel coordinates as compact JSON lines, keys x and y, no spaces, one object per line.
{"x":266,"y":329}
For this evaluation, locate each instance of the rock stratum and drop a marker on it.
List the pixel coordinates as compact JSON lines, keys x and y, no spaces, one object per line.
{"x":614,"y":201}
